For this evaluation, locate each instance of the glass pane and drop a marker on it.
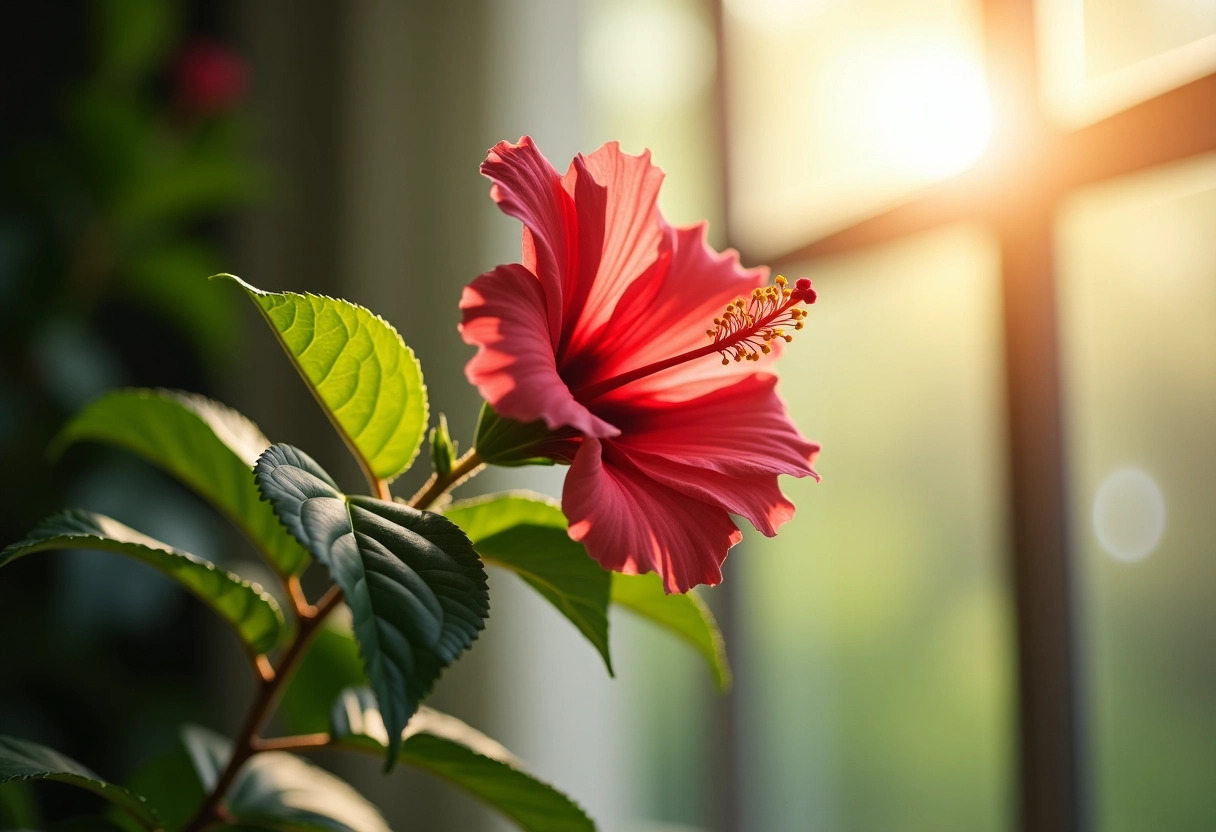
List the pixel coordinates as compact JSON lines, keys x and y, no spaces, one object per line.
{"x":838,"y":109}
{"x":648,"y":71}
{"x":1138,"y":306}
{"x":1101,"y":57}
{"x":878,"y":675}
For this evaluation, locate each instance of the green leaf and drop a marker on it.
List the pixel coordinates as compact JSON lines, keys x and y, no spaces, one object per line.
{"x":527,"y":534}
{"x":684,"y":615}
{"x":208,"y":446}
{"x":252,"y":613}
{"x":133,"y":36}
{"x":21,"y":760}
{"x":367,"y":380}
{"x":505,"y":442}
{"x":448,"y":748}
{"x":179,"y":187}
{"x":330,"y":665}
{"x":280,"y":791}
{"x":169,"y":782}
{"x":443,"y":450}
{"x":415,"y":587}
{"x":18,"y":808}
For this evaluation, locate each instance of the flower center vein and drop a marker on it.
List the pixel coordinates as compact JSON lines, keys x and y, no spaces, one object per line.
{"x":743,"y":332}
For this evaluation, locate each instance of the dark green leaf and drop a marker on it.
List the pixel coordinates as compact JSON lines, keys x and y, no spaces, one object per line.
{"x":206,"y":445}
{"x":280,"y":791}
{"x":252,"y":613}
{"x":21,"y":760}
{"x":527,"y":534}
{"x":367,"y":380}
{"x":443,"y":449}
{"x":415,"y":587}
{"x":684,"y":615}
{"x":448,"y":748}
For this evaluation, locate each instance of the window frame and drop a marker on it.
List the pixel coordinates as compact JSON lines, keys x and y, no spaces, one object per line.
{"x":1015,"y":190}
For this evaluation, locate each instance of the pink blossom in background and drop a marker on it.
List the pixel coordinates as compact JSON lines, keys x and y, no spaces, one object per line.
{"x":210,"y":78}
{"x":643,"y":341}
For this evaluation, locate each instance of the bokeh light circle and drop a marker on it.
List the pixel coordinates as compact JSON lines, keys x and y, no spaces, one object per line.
{"x":1129,"y":514}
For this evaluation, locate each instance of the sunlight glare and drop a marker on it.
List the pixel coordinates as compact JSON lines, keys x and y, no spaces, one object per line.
{"x":929,"y":114}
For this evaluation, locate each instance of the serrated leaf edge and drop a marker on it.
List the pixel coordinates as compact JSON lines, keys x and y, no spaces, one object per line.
{"x":364,"y":464}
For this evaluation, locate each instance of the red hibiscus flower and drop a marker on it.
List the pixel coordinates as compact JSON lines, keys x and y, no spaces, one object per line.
{"x":637,"y":340}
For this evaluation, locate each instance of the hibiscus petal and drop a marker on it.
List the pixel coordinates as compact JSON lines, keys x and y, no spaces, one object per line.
{"x":725,"y":448}
{"x":737,"y":430}
{"x":619,"y":229}
{"x":515,"y":369}
{"x":528,"y":188}
{"x":756,"y":497}
{"x":669,"y":316}
{"x":632,"y":523}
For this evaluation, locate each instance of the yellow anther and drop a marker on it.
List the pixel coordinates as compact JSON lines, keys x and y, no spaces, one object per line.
{"x":766,"y":349}
{"x":799,"y":325}
{"x":780,"y":281}
{"x":785,"y":293}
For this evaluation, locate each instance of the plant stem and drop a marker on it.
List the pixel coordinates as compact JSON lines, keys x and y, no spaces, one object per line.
{"x":466,"y":467}
{"x":247,"y":742}
{"x":300,"y":742}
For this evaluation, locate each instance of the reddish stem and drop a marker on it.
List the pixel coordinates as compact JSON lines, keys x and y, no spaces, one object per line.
{"x":247,"y":743}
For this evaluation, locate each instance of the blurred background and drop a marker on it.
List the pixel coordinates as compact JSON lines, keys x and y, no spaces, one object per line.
{"x":997,"y":611}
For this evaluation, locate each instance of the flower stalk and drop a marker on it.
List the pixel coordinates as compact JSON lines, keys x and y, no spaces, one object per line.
{"x":467,"y":467}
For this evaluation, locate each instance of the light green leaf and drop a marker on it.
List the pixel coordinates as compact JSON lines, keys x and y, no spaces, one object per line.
{"x":22,"y":760}
{"x":252,"y":613}
{"x":278,"y":791}
{"x":684,"y":615}
{"x":367,"y":380}
{"x":208,"y":446}
{"x":415,"y":587}
{"x":444,"y":746}
{"x":527,"y":534}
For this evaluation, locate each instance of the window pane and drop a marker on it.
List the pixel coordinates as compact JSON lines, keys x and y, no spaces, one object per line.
{"x":877,"y":684}
{"x":1138,"y":307}
{"x":838,"y":109}
{"x":1099,"y":58}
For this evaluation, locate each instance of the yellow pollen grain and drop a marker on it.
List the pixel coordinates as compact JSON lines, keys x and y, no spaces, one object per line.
{"x":780,"y":281}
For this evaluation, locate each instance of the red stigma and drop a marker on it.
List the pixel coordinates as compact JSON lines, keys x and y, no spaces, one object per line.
{"x":803,"y":291}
